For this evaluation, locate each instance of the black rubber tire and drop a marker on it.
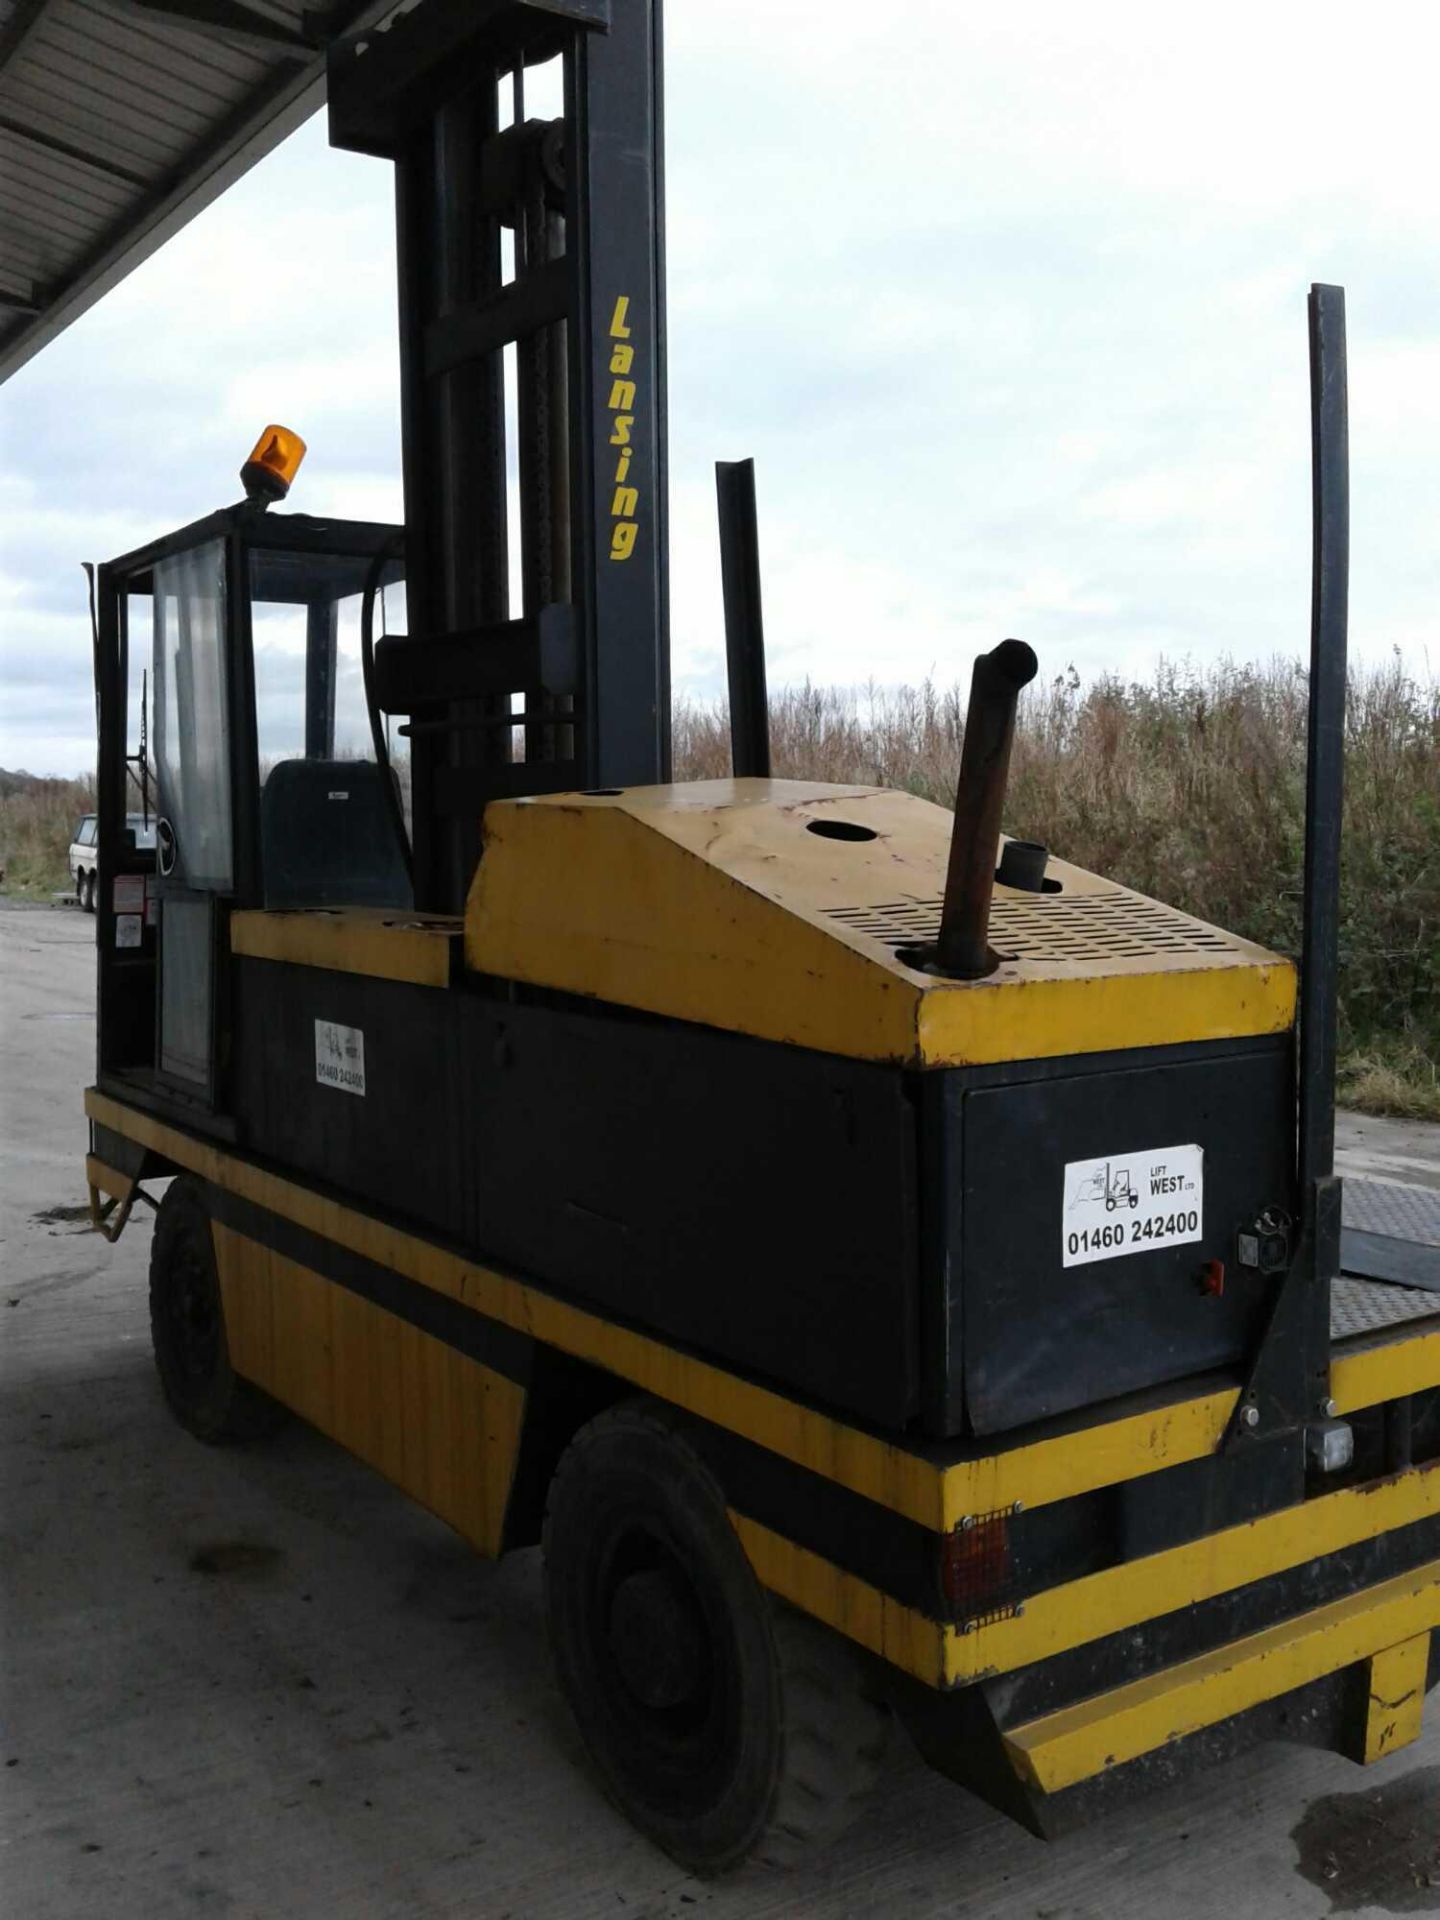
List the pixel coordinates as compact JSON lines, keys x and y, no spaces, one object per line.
{"x":187,"y":1327}
{"x":87,"y":892}
{"x":773,"y":1741}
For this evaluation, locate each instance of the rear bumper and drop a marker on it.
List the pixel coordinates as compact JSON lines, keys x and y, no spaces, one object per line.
{"x":1384,"y":1633}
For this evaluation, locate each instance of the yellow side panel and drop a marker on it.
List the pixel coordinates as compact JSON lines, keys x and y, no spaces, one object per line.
{"x":1396,"y":1708}
{"x":861,"y":1612}
{"x":733,"y":904}
{"x":380,"y":942}
{"x":1043,"y":1019}
{"x":599,"y":903}
{"x":1392,"y":1366}
{"x":437,"y":1423}
{"x":1075,"y":1744}
{"x":1140,"y":1590}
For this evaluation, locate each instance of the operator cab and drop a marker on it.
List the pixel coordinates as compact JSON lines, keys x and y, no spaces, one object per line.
{"x":234,"y":714}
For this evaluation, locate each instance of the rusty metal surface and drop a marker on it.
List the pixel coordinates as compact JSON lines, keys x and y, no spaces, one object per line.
{"x":963,"y":947}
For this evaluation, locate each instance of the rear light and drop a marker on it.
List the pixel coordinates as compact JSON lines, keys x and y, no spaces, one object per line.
{"x":977,"y":1572}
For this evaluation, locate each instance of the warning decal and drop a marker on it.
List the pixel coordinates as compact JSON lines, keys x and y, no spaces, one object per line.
{"x":339,"y":1056}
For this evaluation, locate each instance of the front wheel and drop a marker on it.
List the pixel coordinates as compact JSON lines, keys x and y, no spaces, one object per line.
{"x":723,"y":1726}
{"x":187,"y":1327}
{"x":87,"y":892}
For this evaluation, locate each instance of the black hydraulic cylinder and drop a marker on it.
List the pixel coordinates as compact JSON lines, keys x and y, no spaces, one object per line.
{"x":744,"y":627}
{"x":963,"y":949}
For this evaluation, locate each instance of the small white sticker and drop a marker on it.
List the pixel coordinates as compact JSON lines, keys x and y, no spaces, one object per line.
{"x":339,"y":1056}
{"x":127,"y":929}
{"x":129,"y":893}
{"x":1132,"y":1203}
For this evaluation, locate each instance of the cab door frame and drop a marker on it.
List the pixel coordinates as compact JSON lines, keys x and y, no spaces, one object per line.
{"x":130,"y":981}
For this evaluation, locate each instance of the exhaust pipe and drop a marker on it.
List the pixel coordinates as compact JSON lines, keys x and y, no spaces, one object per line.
{"x":963,"y":948}
{"x":744,"y":627}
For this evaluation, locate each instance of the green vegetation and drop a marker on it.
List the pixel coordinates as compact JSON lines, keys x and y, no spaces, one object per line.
{"x":1191,"y":788}
{"x":38,"y":819}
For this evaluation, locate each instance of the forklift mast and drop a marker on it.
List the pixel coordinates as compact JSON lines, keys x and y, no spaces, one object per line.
{"x":532,"y":346}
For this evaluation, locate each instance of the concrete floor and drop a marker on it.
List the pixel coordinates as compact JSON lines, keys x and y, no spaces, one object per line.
{"x":259,"y":1683}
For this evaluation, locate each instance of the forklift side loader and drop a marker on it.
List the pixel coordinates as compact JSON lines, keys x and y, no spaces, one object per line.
{"x":885,"y":1288}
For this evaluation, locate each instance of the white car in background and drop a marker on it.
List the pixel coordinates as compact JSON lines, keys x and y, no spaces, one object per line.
{"x":85,"y":853}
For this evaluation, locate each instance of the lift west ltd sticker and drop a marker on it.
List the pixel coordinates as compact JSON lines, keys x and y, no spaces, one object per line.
{"x":1132,"y":1203}
{"x":339,"y":1057}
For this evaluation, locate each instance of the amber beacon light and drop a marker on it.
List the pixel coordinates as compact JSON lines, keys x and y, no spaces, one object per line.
{"x":274,"y":462}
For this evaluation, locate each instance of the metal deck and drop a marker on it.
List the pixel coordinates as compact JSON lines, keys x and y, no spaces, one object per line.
{"x":1390,"y":1250}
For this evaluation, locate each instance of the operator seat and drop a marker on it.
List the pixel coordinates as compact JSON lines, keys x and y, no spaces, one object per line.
{"x":328,"y":836}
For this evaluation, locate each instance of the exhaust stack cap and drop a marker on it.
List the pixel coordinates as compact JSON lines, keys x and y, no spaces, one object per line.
{"x":1022,"y":866}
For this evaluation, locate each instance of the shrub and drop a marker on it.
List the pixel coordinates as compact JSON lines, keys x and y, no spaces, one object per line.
{"x":37,"y":823}
{"x":1189,"y":787}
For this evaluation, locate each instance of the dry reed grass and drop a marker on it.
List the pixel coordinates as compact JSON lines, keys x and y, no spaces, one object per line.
{"x":1190,"y":787}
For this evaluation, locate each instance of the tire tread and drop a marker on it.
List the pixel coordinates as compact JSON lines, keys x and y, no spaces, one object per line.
{"x":833,"y":1736}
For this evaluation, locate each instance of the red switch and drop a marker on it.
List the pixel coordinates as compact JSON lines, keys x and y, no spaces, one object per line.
{"x":1212,"y":1278}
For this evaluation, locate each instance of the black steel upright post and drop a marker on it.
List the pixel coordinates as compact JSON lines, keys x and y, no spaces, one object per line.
{"x":322,"y":635}
{"x":111,"y":681}
{"x":744,"y":626}
{"x":615,"y":236}
{"x":1288,"y":1381}
{"x":1324,"y":804}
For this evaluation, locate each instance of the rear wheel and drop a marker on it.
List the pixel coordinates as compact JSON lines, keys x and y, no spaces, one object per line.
{"x":724,"y":1726}
{"x":187,"y":1327}
{"x":87,"y":892}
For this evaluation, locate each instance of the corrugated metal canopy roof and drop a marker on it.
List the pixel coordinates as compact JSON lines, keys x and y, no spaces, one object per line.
{"x":121,"y":119}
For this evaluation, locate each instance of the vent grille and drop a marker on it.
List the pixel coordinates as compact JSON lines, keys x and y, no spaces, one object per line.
{"x":1074,"y":927}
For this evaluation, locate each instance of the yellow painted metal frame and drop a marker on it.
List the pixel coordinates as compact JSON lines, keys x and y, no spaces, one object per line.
{"x":1098,"y":1604}
{"x":381,"y":943}
{"x":1395,"y":1711}
{"x":711,"y":902}
{"x":1388,"y":1625}
{"x":433,"y":1421}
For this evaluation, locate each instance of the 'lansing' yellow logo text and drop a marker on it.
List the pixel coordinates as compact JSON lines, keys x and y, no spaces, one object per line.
{"x":625,"y":499}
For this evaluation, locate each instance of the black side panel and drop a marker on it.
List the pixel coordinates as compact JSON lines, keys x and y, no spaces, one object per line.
{"x":397,"y":1146}
{"x":1041,"y":1338}
{"x":753,"y":1201}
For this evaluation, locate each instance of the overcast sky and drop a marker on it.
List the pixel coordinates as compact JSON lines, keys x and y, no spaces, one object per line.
{"x":1008,"y":303}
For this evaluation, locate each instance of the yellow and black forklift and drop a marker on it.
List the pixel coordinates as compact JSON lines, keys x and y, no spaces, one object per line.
{"x":894,"y":1272}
